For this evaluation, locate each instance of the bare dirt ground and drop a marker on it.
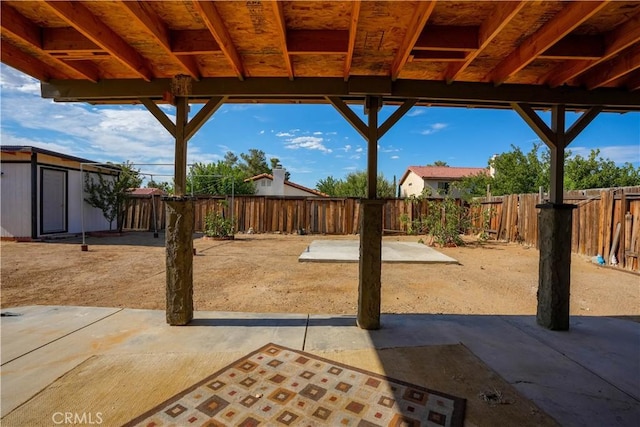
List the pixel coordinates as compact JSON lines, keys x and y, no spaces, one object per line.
{"x":261,"y":273}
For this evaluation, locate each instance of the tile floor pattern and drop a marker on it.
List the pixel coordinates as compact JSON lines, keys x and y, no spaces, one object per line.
{"x":275,"y":385}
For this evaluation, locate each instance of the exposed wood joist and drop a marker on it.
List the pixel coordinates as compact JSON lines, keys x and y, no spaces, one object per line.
{"x":278,"y":11}
{"x":633,"y":81}
{"x":490,"y":28}
{"x":576,"y":47}
{"x":614,"y":69}
{"x":447,"y":37}
{"x":68,"y":40}
{"x":466,"y":93}
{"x":614,"y":42}
{"x":157,"y":29}
{"x":353,"y":27}
{"x":16,"y":26}
{"x":215,"y":24}
{"x":419,"y":20}
{"x":574,"y":14}
{"x":17,"y":59}
{"x":301,"y":42}
{"x":193,"y":42}
{"x":79,"y":17}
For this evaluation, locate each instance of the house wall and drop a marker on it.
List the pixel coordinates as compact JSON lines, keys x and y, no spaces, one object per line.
{"x":15,"y":206}
{"x":292,"y":191}
{"x":93,"y":218}
{"x":432,"y":185}
{"x":411,"y":186}
{"x":264,"y":187}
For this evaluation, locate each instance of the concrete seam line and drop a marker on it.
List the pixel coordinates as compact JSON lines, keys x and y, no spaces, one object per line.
{"x":63,"y":336}
{"x":306,"y":328}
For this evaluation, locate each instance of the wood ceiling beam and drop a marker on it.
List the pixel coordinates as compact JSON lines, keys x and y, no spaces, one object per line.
{"x":538,"y":125}
{"x":81,"y":18}
{"x":278,"y":11}
{"x":490,"y":28}
{"x":158,"y":30}
{"x":615,"y":41}
{"x":447,"y":37}
{"x":633,"y":81}
{"x":353,"y":28}
{"x":315,"y":89}
{"x":419,"y":20}
{"x":576,"y":47}
{"x":18,"y":59}
{"x":565,"y":21}
{"x":612,"y":70}
{"x":349,"y":115}
{"x":15,"y":26}
{"x":302,"y":42}
{"x":215,"y":24}
{"x":193,"y":42}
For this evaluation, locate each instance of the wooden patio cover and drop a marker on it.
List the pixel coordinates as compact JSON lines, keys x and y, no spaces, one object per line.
{"x":489,"y":53}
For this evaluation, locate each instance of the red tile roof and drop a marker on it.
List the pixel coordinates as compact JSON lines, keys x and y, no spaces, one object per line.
{"x":442,"y":172}
{"x":146,"y":192}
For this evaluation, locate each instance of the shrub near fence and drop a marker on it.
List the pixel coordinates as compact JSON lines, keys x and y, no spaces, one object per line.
{"x":314,"y":215}
{"x":595,"y":221}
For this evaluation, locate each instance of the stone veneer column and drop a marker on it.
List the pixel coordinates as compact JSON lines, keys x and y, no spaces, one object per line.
{"x":179,"y":249}
{"x":369,"y":287}
{"x":554,"y":239}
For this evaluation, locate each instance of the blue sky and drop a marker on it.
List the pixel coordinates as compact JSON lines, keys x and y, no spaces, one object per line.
{"x":311,"y":141}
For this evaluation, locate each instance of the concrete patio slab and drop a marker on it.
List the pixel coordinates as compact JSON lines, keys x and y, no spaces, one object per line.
{"x":589,"y":375}
{"x":392,"y":252}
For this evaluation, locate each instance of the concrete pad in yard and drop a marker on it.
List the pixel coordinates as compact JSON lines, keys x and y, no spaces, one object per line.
{"x":396,"y":252}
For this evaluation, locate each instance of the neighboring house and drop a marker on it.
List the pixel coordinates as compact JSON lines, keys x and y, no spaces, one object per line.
{"x":275,"y":185}
{"x":41,"y":194}
{"x":435,"y":180}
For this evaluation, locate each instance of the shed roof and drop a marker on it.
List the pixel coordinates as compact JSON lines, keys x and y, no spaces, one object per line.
{"x":460,"y":53}
{"x":441,"y":172}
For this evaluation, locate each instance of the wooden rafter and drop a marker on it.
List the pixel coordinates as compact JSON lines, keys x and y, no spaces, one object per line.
{"x":79,"y":17}
{"x":68,"y":40}
{"x":16,"y":26}
{"x":353,"y":27}
{"x":419,"y":20}
{"x":278,"y":11}
{"x":490,"y":28}
{"x":574,"y":14}
{"x":617,"y":40}
{"x":19,"y":60}
{"x":160,"y":33}
{"x":633,"y":81}
{"x":614,"y":69}
{"x":215,"y":24}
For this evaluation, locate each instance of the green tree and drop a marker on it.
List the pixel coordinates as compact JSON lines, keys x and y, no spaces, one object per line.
{"x":162,"y":185}
{"x":517,"y":172}
{"x":355,"y":185}
{"x":230,"y":158}
{"x":474,"y":185}
{"x":596,"y":172}
{"x":438,"y":163}
{"x":254,"y":163}
{"x":218,"y":179}
{"x":109,"y":193}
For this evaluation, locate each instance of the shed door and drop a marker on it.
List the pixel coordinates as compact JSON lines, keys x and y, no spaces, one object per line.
{"x":54,"y":201}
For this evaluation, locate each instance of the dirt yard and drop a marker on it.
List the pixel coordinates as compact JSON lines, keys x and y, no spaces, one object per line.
{"x":261,"y":273}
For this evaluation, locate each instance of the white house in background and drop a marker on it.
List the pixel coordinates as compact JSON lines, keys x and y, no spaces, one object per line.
{"x":40,"y":194}
{"x":436,"y":180}
{"x":275,"y":185}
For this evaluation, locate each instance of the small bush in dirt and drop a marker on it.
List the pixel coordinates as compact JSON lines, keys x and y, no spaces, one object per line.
{"x":216,"y":225}
{"x":446,"y":220}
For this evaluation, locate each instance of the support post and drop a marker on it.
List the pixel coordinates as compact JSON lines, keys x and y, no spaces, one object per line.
{"x":179,"y":256}
{"x":369,"y":286}
{"x":554,"y":282}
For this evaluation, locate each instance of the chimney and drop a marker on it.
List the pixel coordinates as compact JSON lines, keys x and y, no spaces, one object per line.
{"x":278,"y":181}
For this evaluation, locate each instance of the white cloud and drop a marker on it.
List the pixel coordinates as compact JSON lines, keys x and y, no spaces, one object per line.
{"x":308,"y":142}
{"x":350,"y":168}
{"x":359,"y":150}
{"x":284,"y":134}
{"x":346,"y":148}
{"x":261,"y":132}
{"x":416,"y":111}
{"x":436,"y":127}
{"x":355,"y":157}
{"x":395,"y":157}
{"x":317,"y":133}
{"x":618,"y":153}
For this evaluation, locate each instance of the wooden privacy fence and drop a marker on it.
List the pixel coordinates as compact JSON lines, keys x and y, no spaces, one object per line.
{"x":600,"y":217}
{"x":263,"y":214}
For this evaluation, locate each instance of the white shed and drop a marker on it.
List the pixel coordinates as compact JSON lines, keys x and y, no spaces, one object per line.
{"x":40,"y":194}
